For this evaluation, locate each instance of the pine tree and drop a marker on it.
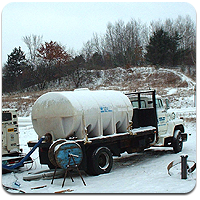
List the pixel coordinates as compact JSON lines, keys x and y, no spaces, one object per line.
{"x":163,"y":49}
{"x":13,"y":70}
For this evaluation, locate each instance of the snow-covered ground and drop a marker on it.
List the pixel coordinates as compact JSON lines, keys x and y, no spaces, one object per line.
{"x":131,"y":173}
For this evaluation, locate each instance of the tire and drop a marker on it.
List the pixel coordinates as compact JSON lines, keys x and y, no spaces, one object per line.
{"x":177,"y":141}
{"x":51,"y":166}
{"x":100,"y":161}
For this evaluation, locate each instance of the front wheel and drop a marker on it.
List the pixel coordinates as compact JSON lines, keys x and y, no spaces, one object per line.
{"x":177,"y":141}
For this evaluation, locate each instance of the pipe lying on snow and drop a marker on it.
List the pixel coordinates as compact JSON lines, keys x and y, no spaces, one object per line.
{"x":25,"y":158}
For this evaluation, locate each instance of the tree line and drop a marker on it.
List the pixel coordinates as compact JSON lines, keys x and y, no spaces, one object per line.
{"x":135,"y":43}
{"x":162,"y":43}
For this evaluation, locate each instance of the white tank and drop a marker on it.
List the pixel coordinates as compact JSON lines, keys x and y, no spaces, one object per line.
{"x":81,"y":112}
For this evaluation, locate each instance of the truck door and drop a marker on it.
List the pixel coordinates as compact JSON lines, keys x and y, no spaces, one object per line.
{"x":161,"y":117}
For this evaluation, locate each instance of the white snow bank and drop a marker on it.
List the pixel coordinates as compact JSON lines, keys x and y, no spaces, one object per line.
{"x":172,"y":91}
{"x":25,"y":121}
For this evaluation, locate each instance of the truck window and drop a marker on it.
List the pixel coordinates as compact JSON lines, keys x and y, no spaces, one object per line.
{"x":6,"y":117}
{"x":135,"y":104}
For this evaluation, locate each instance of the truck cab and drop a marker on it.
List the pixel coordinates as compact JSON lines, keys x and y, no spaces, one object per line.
{"x":170,"y":129}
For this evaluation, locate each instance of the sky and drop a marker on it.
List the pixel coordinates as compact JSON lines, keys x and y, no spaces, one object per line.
{"x":73,"y":23}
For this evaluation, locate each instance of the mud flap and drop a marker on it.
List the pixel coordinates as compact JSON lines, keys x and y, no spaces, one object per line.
{"x":184,"y":137}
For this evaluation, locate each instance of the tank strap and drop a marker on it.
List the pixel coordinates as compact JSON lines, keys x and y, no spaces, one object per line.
{"x":85,"y":131}
{"x":129,"y":127}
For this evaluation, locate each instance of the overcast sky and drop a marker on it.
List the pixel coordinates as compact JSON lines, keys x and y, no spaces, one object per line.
{"x":72,"y":24}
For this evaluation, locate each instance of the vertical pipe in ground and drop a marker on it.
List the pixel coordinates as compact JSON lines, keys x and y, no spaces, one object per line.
{"x":184,"y":166}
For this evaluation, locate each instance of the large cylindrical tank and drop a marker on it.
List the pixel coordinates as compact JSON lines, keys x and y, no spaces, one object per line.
{"x":80,"y":112}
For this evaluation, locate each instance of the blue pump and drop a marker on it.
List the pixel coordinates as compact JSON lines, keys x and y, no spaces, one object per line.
{"x":25,"y":158}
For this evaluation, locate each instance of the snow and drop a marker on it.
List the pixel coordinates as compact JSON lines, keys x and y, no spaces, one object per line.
{"x":172,"y":91}
{"x":131,"y":173}
{"x":26,"y":97}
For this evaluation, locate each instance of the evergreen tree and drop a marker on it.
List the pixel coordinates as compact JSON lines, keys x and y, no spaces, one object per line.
{"x":163,"y":48}
{"x":13,"y":70}
{"x":96,"y":61}
{"x":78,"y":73}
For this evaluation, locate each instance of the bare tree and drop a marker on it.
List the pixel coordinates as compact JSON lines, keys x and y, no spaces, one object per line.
{"x":33,"y":43}
{"x":187,"y":30}
{"x":125,"y":43}
{"x":87,"y":50}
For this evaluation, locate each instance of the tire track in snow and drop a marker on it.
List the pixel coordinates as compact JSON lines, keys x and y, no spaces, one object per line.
{"x":190,"y":82}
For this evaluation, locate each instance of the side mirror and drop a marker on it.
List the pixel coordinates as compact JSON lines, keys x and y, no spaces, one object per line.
{"x":167,"y":104}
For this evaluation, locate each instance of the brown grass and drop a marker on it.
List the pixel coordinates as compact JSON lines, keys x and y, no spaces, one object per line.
{"x":169,"y":79}
{"x":190,"y":119}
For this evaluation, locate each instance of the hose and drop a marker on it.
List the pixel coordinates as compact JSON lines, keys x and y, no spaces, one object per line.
{"x":25,"y":158}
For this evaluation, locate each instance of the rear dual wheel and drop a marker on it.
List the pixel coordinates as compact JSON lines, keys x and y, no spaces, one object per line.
{"x":99,"y":161}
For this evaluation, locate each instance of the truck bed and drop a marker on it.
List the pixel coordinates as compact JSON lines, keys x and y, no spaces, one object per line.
{"x":108,"y":138}
{"x":120,"y":136}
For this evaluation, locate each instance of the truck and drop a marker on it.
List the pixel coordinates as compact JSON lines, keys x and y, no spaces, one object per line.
{"x":93,"y":126}
{"x":11,"y":151}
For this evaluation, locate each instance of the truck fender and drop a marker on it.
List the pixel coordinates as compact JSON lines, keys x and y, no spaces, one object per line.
{"x":178,"y":127}
{"x":171,"y":128}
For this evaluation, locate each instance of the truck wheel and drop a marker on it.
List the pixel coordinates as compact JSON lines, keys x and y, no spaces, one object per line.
{"x":50,"y":165}
{"x":177,"y":141}
{"x":102,"y":161}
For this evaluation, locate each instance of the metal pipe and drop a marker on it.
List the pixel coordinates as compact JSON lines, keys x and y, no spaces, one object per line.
{"x":184,"y":166}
